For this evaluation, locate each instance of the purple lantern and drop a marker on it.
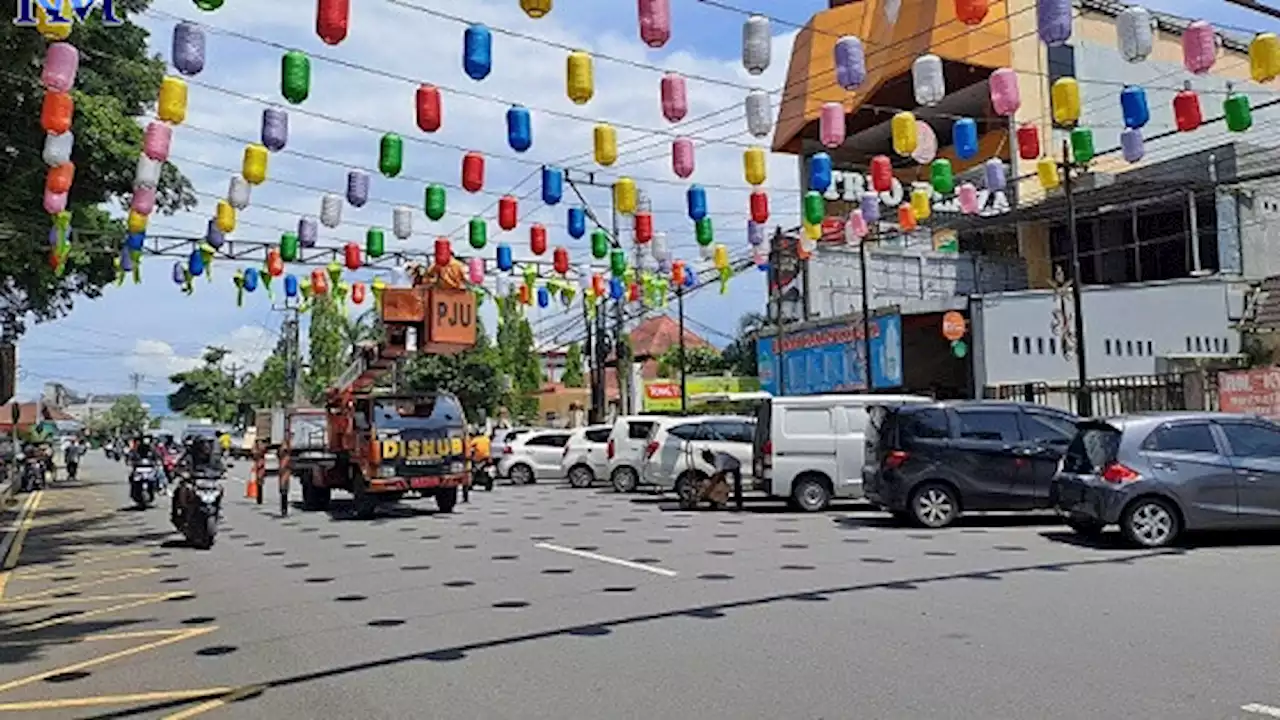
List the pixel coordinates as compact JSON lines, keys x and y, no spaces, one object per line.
{"x":993,"y":173}
{"x":1131,"y":145}
{"x":1053,"y":21}
{"x":870,"y":207}
{"x":307,"y":231}
{"x":214,"y":236}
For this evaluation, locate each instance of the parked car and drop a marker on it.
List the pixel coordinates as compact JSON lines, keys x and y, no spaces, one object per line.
{"x":1159,"y":475}
{"x":586,"y":455}
{"x":504,"y":436}
{"x":809,"y":449}
{"x":532,"y":456}
{"x":927,"y":463}
{"x":625,"y":450}
{"x":673,"y":453}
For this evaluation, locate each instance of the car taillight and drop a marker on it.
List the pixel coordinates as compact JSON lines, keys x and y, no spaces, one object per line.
{"x":895,"y":459}
{"x":1117,"y":473}
{"x":650,"y":449}
{"x":506,"y":450}
{"x":609,"y":449}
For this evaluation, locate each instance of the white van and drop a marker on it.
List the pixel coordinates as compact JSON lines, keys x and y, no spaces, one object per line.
{"x":809,"y":449}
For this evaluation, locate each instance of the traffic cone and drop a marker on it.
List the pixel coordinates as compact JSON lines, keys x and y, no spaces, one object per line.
{"x":251,"y":488}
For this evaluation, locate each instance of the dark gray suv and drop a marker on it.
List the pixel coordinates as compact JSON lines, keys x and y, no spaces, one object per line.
{"x":1158,"y":475}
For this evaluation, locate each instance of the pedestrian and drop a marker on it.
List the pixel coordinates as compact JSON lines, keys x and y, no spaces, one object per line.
{"x":71,"y":456}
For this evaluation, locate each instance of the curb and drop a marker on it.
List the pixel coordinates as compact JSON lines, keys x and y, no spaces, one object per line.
{"x":7,"y":492}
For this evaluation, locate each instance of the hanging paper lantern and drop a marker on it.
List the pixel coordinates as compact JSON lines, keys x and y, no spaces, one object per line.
{"x":54,"y":28}
{"x":433,"y":202}
{"x":882,"y":173}
{"x":391,"y":155}
{"x":1135,"y":30}
{"x":831,"y":124}
{"x":254,"y":165}
{"x":238,"y":192}
{"x":402,"y":222}
{"x":580,"y":81}
{"x":1132,"y":146}
{"x":1133,"y":106}
{"x":1066,"y":101}
{"x":964,"y":138}
{"x":58,"y":179}
{"x":519,"y":128}
{"x":331,"y":210}
{"x":643,"y":227}
{"x":552,"y":184}
{"x":850,"y":62}
{"x":179,"y":273}
{"x":1005,"y":96}
{"x":502,"y":286}
{"x":188,"y":49}
{"x":143,"y":201}
{"x":358,"y":293}
{"x":655,"y":22}
{"x":755,"y":234}
{"x":675,"y":97}
{"x":535,"y":8}
{"x":332,"y":19}
{"x":618,"y":262}
{"x":921,"y":207}
{"x":1082,"y":148}
{"x":507,"y":212}
{"x":703,"y":232}
{"x":678,"y":273}
{"x":906,"y":218}
{"x":869,"y":206}
{"x":427,"y":108}
{"x":307,"y":231}
{"x":275,"y":263}
{"x":319,"y":281}
{"x":1047,"y":171}
{"x":225,"y":215}
{"x":658,"y":248}
{"x":472,"y":172}
{"x":213,"y":235}
{"x":757,"y":44}
{"x":1053,"y":21}
{"x":1235,"y":108}
{"x":61,"y":62}
{"x":477,"y":233}
{"x":351,"y":256}
{"x":57,"y":149}
{"x":927,"y":80}
{"x":147,"y":172}
{"x":605,"y":144}
{"x":1199,"y":47}
{"x":720,"y":257}
{"x":820,"y":172}
{"x":971,"y":12}
{"x":1264,"y":57}
{"x":993,"y":175}
{"x":682,"y":157}
{"x":941,"y":176}
{"x":599,"y":244}
{"x":967,"y":197}
{"x":560,"y":260}
{"x":477,"y":52}
{"x":538,"y":239}
{"x":759,"y":114}
{"x":295,"y":76}
{"x":443,"y":254}
{"x":1028,"y":142}
{"x":815,"y":207}
{"x":289,"y":247}
{"x":544,"y":297}
{"x":275,"y":129}
{"x":475,"y":268}
{"x":624,"y":195}
{"x":136,"y":222}
{"x":56,"y":112}
{"x":759,"y":203}
{"x":576,"y":222}
{"x":617,"y":290}
{"x":172,"y":104}
{"x":856,"y":228}
{"x":905,"y":133}
{"x":1186,"y":109}
{"x":696,"y":200}
{"x":503,"y":257}
{"x":55,"y":203}
{"x":291,"y":286}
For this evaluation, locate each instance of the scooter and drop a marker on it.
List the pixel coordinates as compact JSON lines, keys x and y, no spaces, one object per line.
{"x":199,"y":508}
{"x":144,"y":485}
{"x":34,"y":475}
{"x":483,"y":474}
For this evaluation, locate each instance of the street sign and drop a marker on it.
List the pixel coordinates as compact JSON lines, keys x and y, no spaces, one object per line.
{"x":953,"y":326}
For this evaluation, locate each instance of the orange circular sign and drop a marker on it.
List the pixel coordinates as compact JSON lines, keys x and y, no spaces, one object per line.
{"x":953,"y":325}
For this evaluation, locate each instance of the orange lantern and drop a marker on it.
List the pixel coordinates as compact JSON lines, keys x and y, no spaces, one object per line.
{"x":971,"y":12}
{"x":444,"y":252}
{"x":598,"y":284}
{"x":802,"y":252}
{"x":319,"y":282}
{"x":560,"y":258}
{"x":357,"y":293}
{"x":644,"y":227}
{"x":275,"y":263}
{"x":760,"y":206}
{"x":56,"y":112}
{"x":526,"y":296}
{"x":507,"y":212}
{"x":351,"y":255}
{"x":537,"y":238}
{"x":906,"y":218}
{"x":59,"y":178}
{"x":677,"y":273}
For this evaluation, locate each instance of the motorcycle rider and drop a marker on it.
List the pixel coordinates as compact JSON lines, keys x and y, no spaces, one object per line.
{"x":200,"y":456}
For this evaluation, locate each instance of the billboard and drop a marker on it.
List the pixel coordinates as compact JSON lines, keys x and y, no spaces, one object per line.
{"x":831,"y":358}
{"x":664,"y":395}
{"x":1252,"y":392}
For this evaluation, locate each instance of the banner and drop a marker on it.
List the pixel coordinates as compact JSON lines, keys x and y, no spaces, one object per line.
{"x":832,"y":358}
{"x":664,"y":395}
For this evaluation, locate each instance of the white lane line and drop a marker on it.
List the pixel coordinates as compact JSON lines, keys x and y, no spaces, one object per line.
{"x":611,"y":560}
{"x":1259,"y":709}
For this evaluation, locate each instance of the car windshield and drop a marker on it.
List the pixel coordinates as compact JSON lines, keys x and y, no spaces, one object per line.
{"x":436,"y":411}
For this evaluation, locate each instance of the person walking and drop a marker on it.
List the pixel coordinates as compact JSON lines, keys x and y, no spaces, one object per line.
{"x":71,"y":457}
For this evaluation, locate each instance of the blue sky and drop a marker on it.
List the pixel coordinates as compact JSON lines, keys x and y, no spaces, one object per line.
{"x":153,"y":329}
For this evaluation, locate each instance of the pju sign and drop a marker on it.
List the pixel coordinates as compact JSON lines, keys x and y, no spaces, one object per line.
{"x":64,"y":12}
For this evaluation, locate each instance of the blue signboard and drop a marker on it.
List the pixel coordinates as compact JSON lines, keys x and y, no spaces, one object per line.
{"x":831,"y":359}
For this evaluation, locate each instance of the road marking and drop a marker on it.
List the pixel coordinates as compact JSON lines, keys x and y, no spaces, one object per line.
{"x":145,"y":600}
{"x":37,"y":677}
{"x":233,"y":696}
{"x":50,"y":574}
{"x":99,"y":637}
{"x":611,"y":560}
{"x":120,"y":575}
{"x":1259,"y":709}
{"x":11,"y":546}
{"x":159,"y":696}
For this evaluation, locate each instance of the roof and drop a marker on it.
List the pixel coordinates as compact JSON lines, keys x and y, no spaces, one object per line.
{"x":657,"y":334}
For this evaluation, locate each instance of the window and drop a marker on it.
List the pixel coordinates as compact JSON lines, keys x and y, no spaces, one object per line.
{"x":548,"y":440}
{"x":1250,"y":440}
{"x":639,"y":430}
{"x":1149,"y":353}
{"x":1049,"y":429}
{"x":1184,"y":437}
{"x":735,"y":431}
{"x":807,"y":421}
{"x":692,"y":431}
{"x":1106,"y":344}
{"x":599,"y":435}
{"x":1062,"y":62}
{"x":1040,"y":345}
{"x":1015,"y":344}
{"x":928,"y":424}
{"x":1199,"y":347}
{"x":1128,"y":347}
{"x":1026,"y":345}
{"x":992,"y":425}
{"x":1188,"y":343}
{"x":1053,"y":346}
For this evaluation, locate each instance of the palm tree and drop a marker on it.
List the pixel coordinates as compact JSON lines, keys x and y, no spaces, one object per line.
{"x":740,"y":355}
{"x":367,"y":326}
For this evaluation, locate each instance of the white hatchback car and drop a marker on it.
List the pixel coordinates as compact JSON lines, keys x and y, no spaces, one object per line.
{"x":626,"y":449}
{"x":533,"y":456}
{"x":673,"y":454}
{"x":586,"y":455}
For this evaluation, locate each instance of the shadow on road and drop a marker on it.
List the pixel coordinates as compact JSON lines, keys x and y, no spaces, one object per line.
{"x":973,"y":522}
{"x":1190,"y":541}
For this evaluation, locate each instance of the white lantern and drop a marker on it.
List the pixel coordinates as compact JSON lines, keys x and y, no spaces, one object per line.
{"x":658,"y":247}
{"x":759,"y":114}
{"x":927,"y":79}
{"x":502,"y":286}
{"x":757,"y":44}
{"x":402,"y":222}
{"x":707,"y":252}
{"x":57,"y":148}
{"x":331,"y":210}
{"x":147,"y":173}
{"x":238,"y":192}
{"x":1134,"y":28}
{"x":584,"y":276}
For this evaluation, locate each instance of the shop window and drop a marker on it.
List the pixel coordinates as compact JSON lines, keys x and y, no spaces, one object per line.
{"x":1128,"y":346}
{"x":1026,"y":345}
{"x":1106,"y":344}
{"x":1053,"y":346}
{"x":1062,"y":62}
{"x":1015,"y":344}
{"x":1188,"y":343}
{"x":1149,"y":353}
{"x":1040,"y":346}
{"x":1199,"y":346}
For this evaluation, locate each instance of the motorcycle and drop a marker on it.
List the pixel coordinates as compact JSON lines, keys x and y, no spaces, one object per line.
{"x":144,"y":485}
{"x":34,"y":474}
{"x":199,"y":508}
{"x":483,"y":475}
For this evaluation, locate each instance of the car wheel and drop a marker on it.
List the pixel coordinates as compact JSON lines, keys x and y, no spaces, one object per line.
{"x":625,"y":479}
{"x":934,"y":505}
{"x":1086,"y":528}
{"x":810,"y":495}
{"x":1150,"y":522}
{"x":580,"y":476}
{"x":521,"y":475}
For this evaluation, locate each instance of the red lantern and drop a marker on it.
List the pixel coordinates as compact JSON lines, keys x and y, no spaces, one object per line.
{"x":1028,"y":142}
{"x":677,"y":273}
{"x":332,"y":19}
{"x":882,"y":173}
{"x":351,"y":254}
{"x":506,"y":212}
{"x":832,"y":229}
{"x":525,"y":295}
{"x":598,"y":285}
{"x":472,"y":172}
{"x":538,"y":239}
{"x":560,"y":259}
{"x":444,"y":252}
{"x":275,"y":263}
{"x":971,"y":12}
{"x":1186,"y":110}
{"x":760,"y":206}
{"x":53,"y":259}
{"x":644,"y":227}
{"x":906,"y":218}
{"x":633,"y":292}
{"x":56,"y":112}
{"x":428,"y":108}
{"x":319,"y":282}
{"x":357,"y":293}
{"x":59,"y":178}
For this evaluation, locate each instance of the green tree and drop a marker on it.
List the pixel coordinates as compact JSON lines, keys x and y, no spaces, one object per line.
{"x":269,"y":387}
{"x":518,"y":360}
{"x":116,"y":83}
{"x":207,"y":391}
{"x":472,"y":375}
{"x":740,"y":355}
{"x":127,"y":416}
{"x":328,"y":345}
{"x":699,"y":360}
{"x":573,"y":374}
{"x":367,"y":326}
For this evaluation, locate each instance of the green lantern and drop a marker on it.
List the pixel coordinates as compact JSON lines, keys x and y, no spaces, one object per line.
{"x":599,"y":244}
{"x":434,"y":202}
{"x":391,"y":155}
{"x":959,"y":348}
{"x":478,"y":233}
{"x":375,"y":242}
{"x":703,"y":232}
{"x":618,"y":262}
{"x":1082,"y":150}
{"x":1237,"y":112}
{"x":295,"y":76}
{"x":942,"y":177}
{"x":289,"y":247}
{"x":815,"y":209}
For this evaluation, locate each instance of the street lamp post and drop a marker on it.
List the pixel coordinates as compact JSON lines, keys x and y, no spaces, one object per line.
{"x":1083,"y":398}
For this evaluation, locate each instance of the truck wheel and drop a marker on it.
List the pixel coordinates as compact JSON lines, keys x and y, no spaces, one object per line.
{"x":314,"y":499}
{"x":446,"y":498}
{"x":366,"y":507}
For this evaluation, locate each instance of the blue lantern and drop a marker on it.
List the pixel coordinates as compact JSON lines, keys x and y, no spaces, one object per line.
{"x":552,"y":184}
{"x":290,"y":286}
{"x":519,"y":128}
{"x":544,"y":297}
{"x":477,"y":52}
{"x":577,"y":222}
{"x":690,"y":278}
{"x":820,"y":172}
{"x":250,"y":279}
{"x":504,"y":257}
{"x":616,"y":288}
{"x":697,"y":201}
{"x":1133,"y":106}
{"x":134,"y":241}
{"x":195,"y":263}
{"x":964,"y":137}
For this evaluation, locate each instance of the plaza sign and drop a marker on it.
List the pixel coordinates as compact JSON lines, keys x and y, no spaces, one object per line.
{"x":850,"y":186}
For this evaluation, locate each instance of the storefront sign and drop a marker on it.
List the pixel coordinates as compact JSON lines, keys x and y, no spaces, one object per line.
{"x":832,"y":358}
{"x":664,"y":395}
{"x":1252,"y":392}
{"x":850,"y":186}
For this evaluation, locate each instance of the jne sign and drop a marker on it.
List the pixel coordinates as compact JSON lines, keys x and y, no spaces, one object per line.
{"x":65,"y":12}
{"x":850,"y":186}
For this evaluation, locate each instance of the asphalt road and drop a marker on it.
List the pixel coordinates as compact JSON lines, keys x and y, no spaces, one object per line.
{"x":548,"y":602}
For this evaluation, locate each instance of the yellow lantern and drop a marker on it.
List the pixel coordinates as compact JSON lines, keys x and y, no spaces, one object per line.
{"x":606,"y":144}
{"x":535,"y":8}
{"x":1066,"y":101}
{"x":225,"y":217}
{"x":905,"y":134}
{"x":920,"y":203}
{"x":624,"y":195}
{"x":753,"y":165}
{"x":59,"y":31}
{"x":1264,"y":57}
{"x":137,"y":222}
{"x":254,"y":166}
{"x":172,"y":107}
{"x":1047,"y":171}
{"x":812,"y":231}
{"x":581,"y":80}
{"x":721,"y":255}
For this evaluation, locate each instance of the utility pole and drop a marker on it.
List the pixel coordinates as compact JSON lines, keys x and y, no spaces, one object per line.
{"x":866,"y":313}
{"x":684,"y":394}
{"x":775,"y":288}
{"x":1084,"y":401}
{"x":293,"y":355}
{"x":623,"y":376}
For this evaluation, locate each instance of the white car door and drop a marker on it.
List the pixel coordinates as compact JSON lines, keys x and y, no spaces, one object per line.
{"x":597,"y":445}
{"x":851,"y":438}
{"x":544,"y":453}
{"x":674,"y":455}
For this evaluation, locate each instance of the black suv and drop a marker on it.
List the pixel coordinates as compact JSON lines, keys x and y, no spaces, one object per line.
{"x":927,"y":463}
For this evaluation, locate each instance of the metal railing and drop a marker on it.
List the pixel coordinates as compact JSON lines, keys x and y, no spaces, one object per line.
{"x":1119,"y":395}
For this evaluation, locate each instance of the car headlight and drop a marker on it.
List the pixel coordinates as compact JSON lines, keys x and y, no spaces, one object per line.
{"x":386,"y":471}
{"x":456,"y":467}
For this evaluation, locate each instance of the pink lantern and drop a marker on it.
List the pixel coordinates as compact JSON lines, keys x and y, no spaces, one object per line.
{"x":856,"y":228}
{"x":144,"y":200}
{"x":675,"y":97}
{"x":967,"y":194}
{"x":156,"y":139}
{"x":655,"y":22}
{"x":831,"y":124}
{"x":54,"y":203}
{"x":61,"y":62}
{"x":1005,"y":97}
{"x":682,"y":156}
{"x":475,"y":271}
{"x":1199,"y":47}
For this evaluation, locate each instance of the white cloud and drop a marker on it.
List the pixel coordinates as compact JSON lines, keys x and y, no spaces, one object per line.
{"x":248,"y":347}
